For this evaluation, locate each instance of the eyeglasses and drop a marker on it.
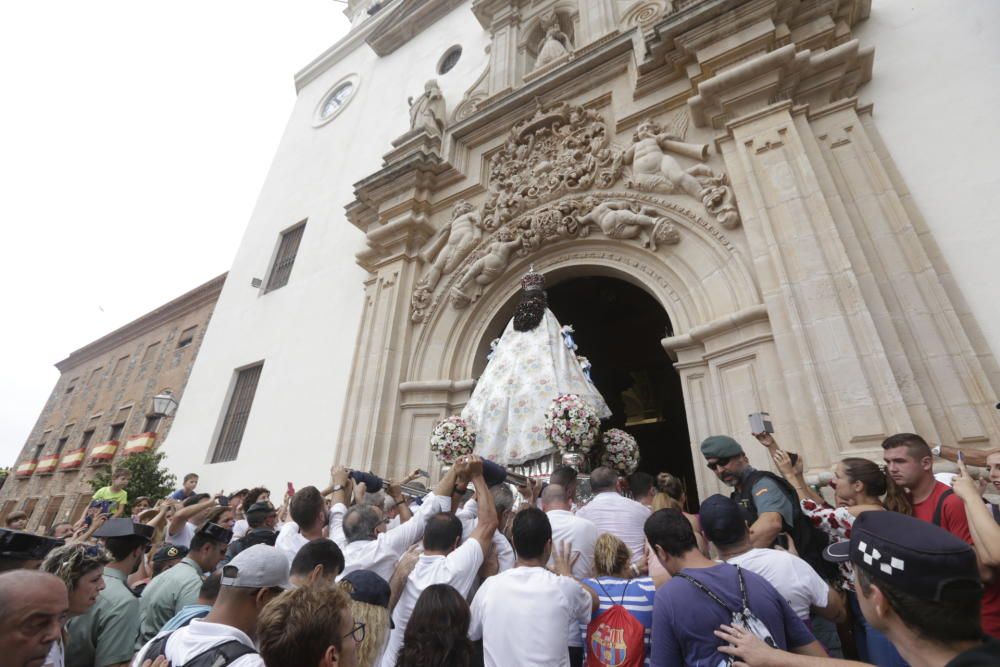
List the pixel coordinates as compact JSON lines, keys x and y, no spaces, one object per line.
{"x":357,"y":632}
{"x":719,"y":463}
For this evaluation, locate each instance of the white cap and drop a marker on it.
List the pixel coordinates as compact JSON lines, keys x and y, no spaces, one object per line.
{"x":260,"y":566}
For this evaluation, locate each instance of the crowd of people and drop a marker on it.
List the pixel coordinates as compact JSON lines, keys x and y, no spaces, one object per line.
{"x":891,"y":567}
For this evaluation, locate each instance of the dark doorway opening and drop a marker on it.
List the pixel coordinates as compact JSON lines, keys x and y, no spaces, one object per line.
{"x":618,"y":327}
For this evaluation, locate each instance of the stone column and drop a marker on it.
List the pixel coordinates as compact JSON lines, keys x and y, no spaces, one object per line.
{"x":597,"y":19}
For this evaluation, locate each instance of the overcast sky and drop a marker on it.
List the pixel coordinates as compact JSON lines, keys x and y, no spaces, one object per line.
{"x":134,"y":138}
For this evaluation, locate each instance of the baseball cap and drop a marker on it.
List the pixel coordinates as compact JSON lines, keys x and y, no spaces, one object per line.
{"x":366,"y":586}
{"x":260,"y":566}
{"x":169,"y":552}
{"x":722,"y":520}
{"x":911,"y":555}
{"x":720,"y":447}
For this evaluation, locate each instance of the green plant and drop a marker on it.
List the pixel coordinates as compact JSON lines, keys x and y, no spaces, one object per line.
{"x":149,"y":477}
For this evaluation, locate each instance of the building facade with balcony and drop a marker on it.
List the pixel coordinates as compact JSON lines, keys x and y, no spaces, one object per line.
{"x":101,"y":408}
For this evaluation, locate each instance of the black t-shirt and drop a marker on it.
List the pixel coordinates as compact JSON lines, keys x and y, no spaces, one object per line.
{"x":986,"y":654}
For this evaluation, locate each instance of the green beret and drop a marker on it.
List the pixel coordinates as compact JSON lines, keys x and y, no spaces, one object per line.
{"x":719,"y":447}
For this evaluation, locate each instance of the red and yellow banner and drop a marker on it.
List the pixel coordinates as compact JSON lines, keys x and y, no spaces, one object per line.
{"x":26,"y":468}
{"x":72,"y":459}
{"x":47,"y":464}
{"x":104,"y":451}
{"x":139,"y":443}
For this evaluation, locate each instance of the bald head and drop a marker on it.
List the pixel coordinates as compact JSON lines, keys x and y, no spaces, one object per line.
{"x":554,"y":498}
{"x":603,"y":479}
{"x":33,"y":607}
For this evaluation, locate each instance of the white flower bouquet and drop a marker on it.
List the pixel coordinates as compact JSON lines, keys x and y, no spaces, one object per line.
{"x":571,"y":424}
{"x":621,"y":453}
{"x":452,"y":438}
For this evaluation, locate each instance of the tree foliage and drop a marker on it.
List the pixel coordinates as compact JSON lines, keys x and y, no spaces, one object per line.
{"x":149,"y":476}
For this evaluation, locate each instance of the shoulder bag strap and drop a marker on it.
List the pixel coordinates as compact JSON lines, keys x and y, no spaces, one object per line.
{"x":157,"y":648}
{"x":220,"y":655}
{"x":940,"y":507}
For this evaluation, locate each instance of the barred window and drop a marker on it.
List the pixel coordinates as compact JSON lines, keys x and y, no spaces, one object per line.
{"x":227,"y":447}
{"x":285,"y":258}
{"x":186,"y":337}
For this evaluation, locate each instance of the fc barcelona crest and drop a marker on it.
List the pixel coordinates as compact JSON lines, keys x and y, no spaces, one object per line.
{"x":607,"y":644}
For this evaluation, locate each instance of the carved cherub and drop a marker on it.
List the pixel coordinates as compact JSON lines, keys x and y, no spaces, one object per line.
{"x":452,"y":243}
{"x":427,"y":112}
{"x":618,"y":221}
{"x":654,"y":169}
{"x":488,"y":268}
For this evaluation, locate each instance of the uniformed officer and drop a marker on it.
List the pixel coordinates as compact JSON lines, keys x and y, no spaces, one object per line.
{"x":106,"y":634}
{"x":24,"y":551}
{"x":168,"y":593}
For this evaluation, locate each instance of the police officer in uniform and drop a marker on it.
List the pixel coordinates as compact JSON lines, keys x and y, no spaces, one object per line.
{"x":24,"y":551}
{"x":179,"y":586}
{"x":106,"y":634}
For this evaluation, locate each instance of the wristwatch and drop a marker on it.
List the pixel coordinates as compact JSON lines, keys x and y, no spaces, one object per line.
{"x":338,"y":487}
{"x":936,"y":451}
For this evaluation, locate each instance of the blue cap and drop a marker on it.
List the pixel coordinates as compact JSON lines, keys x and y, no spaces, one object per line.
{"x":366,"y":586}
{"x":722,"y":520}
{"x":911,"y":555}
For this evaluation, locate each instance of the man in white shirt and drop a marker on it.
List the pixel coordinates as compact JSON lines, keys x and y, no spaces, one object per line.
{"x":185,"y":521}
{"x":522,"y":614}
{"x":443,"y":560}
{"x":254,"y":577}
{"x":613,"y":513}
{"x":309,"y":518}
{"x":581,"y":536}
{"x":361,"y":531}
{"x":503,"y":501}
{"x":804,"y":590}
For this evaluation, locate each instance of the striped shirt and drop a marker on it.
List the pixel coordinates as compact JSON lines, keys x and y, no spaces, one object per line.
{"x":636,"y":595}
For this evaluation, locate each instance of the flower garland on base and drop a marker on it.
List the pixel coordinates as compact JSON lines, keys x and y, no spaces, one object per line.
{"x":621,"y":453}
{"x":452,"y":438}
{"x":571,"y":424}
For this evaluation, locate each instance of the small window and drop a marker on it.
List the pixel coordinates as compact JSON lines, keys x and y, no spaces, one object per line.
{"x":152,"y":423}
{"x":285,"y":259}
{"x":72,"y":385}
{"x":61,"y":445}
{"x":336,"y":100}
{"x":85,"y":439}
{"x":93,"y":375}
{"x":449,"y":59}
{"x":116,"y":431}
{"x":186,"y":338}
{"x":150,"y":352}
{"x":227,"y":447}
{"x":119,"y":365}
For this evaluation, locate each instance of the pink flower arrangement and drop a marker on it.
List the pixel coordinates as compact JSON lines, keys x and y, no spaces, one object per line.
{"x":571,"y":424}
{"x":621,"y":453}
{"x":452,"y":438}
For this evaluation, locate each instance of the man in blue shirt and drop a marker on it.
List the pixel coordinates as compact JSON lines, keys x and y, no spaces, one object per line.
{"x":685,"y":617}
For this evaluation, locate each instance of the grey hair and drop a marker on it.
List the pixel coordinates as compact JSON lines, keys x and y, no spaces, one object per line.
{"x":554,"y":493}
{"x":360,"y":523}
{"x":503,"y":498}
{"x":603,"y":479}
{"x":377,"y":499}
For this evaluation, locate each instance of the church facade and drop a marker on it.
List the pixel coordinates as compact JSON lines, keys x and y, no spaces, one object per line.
{"x":719,"y":168}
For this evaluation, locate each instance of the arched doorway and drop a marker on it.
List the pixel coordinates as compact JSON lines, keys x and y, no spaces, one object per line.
{"x":619,"y":327}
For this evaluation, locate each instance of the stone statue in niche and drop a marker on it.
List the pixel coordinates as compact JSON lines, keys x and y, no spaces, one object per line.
{"x":625,"y":220}
{"x":554,"y":45}
{"x":452,"y":243}
{"x":427,"y":112}
{"x":655,"y":169}
{"x":488,"y":267}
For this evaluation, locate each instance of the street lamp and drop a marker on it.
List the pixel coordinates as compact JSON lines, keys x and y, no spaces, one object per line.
{"x":164,"y":404}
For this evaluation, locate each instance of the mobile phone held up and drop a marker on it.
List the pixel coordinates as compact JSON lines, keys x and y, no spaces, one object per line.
{"x":760,"y":422}
{"x":291,"y":489}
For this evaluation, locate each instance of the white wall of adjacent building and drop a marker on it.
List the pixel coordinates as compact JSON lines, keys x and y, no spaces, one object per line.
{"x":935,"y":87}
{"x":305,"y":332}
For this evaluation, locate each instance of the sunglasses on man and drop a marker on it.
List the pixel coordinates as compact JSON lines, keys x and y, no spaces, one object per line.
{"x":719,"y":463}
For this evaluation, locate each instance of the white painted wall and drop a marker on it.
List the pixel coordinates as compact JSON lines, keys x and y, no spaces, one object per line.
{"x":305,"y":332}
{"x":936,"y":93}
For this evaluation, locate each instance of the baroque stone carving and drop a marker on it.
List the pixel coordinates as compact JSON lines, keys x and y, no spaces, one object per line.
{"x":446,"y":249}
{"x":427,"y":112}
{"x":628,"y":220}
{"x":646,"y":12}
{"x":554,"y":45}
{"x":654,"y":169}
{"x":559,"y":149}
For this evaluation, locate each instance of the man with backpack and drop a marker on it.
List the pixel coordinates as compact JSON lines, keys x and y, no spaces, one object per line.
{"x":769,"y":504}
{"x":261,"y":519}
{"x":226,"y":635}
{"x":703,"y":593}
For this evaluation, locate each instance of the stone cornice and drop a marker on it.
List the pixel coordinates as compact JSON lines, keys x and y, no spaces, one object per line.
{"x":172,"y":310}
{"x":409,"y":18}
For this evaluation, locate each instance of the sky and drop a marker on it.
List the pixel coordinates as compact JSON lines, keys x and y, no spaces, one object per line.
{"x":134,"y":138}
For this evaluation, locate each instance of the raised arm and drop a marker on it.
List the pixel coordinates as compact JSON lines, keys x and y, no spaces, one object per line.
{"x":984,"y":529}
{"x":486,"y":517}
{"x":395,"y":491}
{"x":973,"y":457}
{"x":181,"y":516}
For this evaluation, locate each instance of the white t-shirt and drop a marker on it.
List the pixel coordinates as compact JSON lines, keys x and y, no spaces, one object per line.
{"x":522,"y":616}
{"x":582,"y":536}
{"x":381,"y":554}
{"x":240,"y":529}
{"x":458,"y":569}
{"x":290,"y":540}
{"x":794,"y":578}
{"x":196,"y":638}
{"x":613,"y":513}
{"x":183,"y":537}
{"x":468,"y":515}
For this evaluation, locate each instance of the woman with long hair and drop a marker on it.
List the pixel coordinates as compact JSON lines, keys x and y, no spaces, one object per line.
{"x":616,"y":584}
{"x":370,"y":596}
{"x":671,"y":494}
{"x":438,"y":632}
{"x":81,"y":568}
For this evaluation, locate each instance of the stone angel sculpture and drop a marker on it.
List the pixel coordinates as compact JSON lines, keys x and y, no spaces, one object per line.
{"x":452,"y":243}
{"x":555,"y":44}
{"x":427,"y":112}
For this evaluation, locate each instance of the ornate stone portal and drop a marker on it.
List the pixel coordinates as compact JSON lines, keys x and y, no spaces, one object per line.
{"x":793,"y":265}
